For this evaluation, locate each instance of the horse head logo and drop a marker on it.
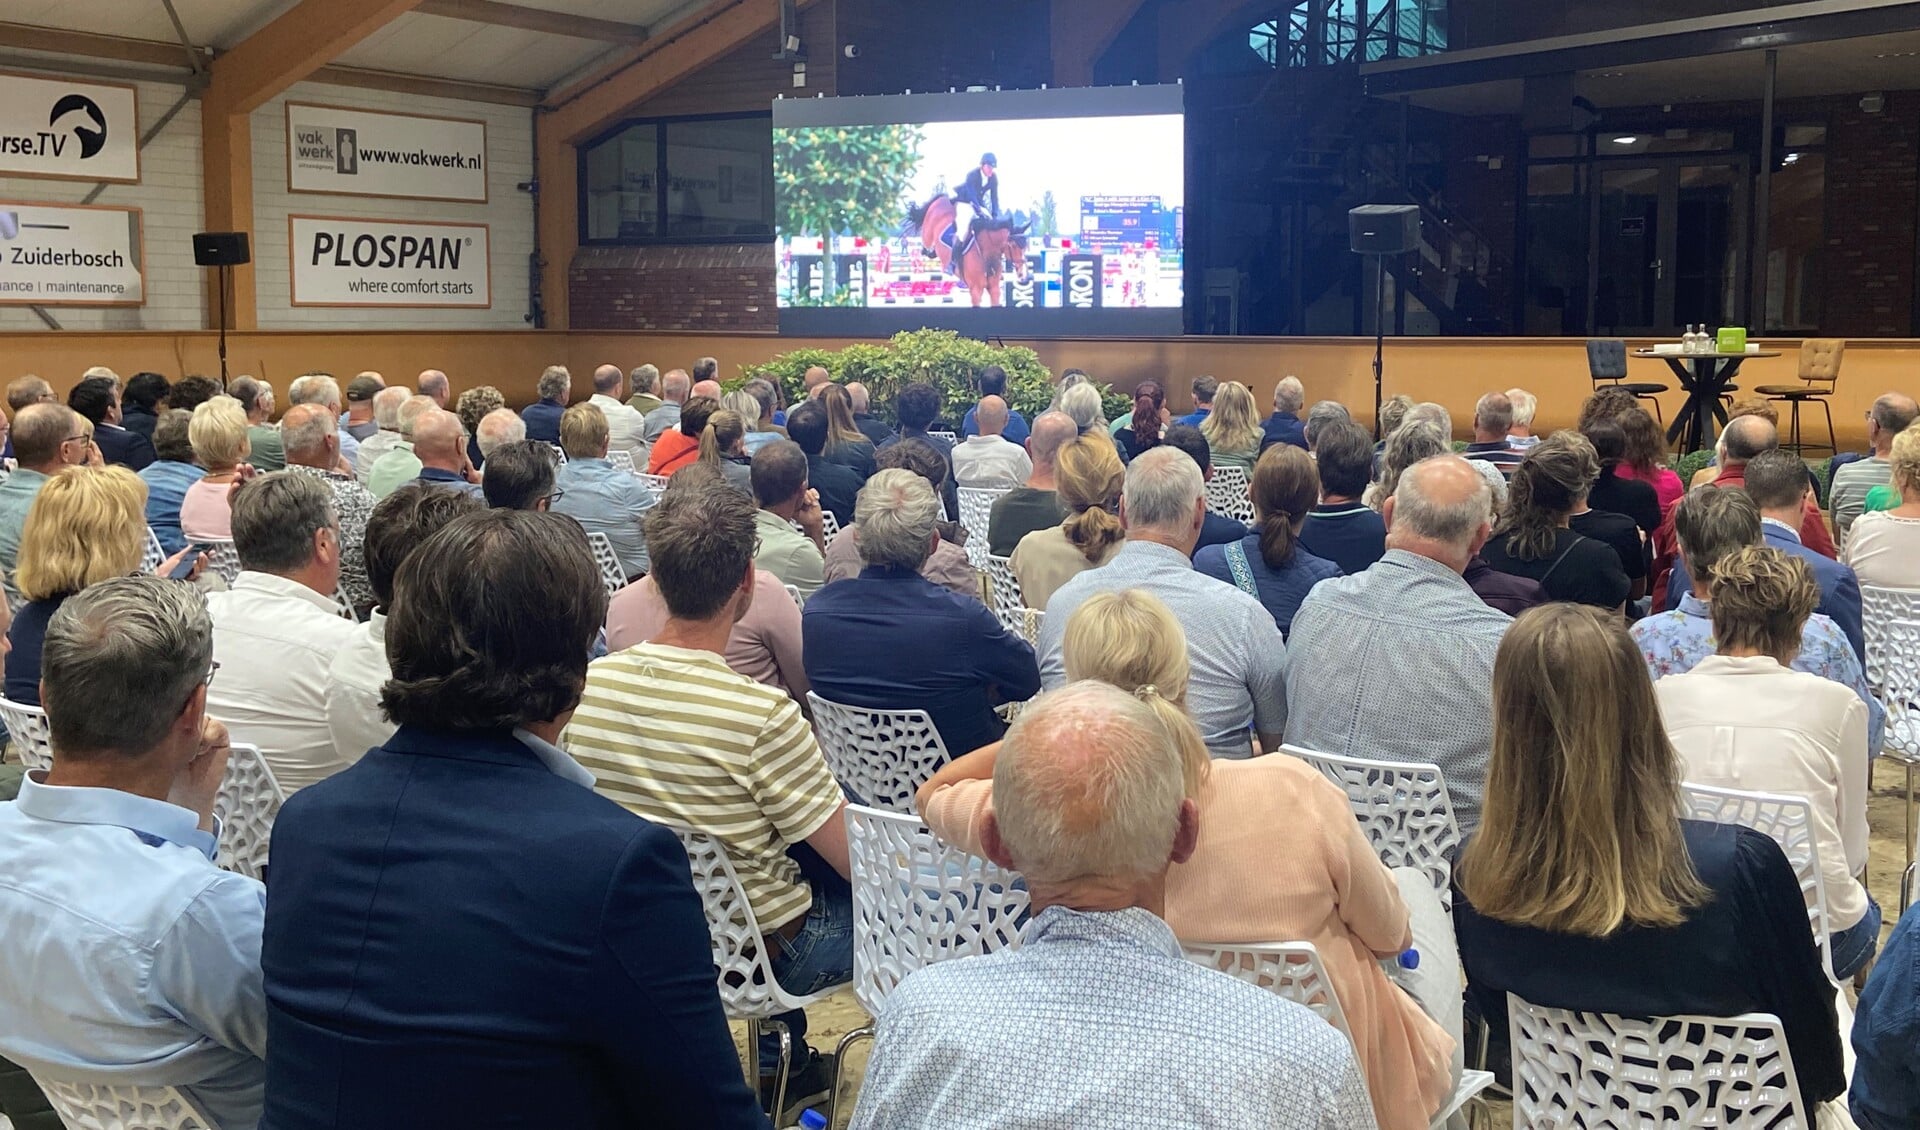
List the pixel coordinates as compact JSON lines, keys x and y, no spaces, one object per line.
{"x":93,"y":138}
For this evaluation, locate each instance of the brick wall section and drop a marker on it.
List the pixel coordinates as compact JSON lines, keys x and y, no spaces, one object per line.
{"x":710,"y":288}
{"x":1872,"y":182}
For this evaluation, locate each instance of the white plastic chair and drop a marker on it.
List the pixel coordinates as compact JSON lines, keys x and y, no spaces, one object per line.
{"x":343,"y":605}
{"x":223,"y":557}
{"x":976,"y":511}
{"x":917,"y":901}
{"x":1599,"y":1071}
{"x":559,"y":454}
{"x":621,"y":460}
{"x":1789,"y":820}
{"x":655,"y":483}
{"x":248,"y":802}
{"x":1892,"y":623}
{"x":1294,"y":970}
{"x":611,"y":574}
{"x":28,"y":726}
{"x":950,"y":437}
{"x":741,"y":956}
{"x":794,"y":592}
{"x":151,"y":559}
{"x":1004,"y":587}
{"x":1403,"y":808}
{"x":829,"y":527}
{"x":1229,"y":494}
{"x":107,"y":1106}
{"x":881,"y":756}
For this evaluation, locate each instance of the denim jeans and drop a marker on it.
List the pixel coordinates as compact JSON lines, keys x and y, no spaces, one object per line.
{"x":1855,"y":944}
{"x":819,"y":957}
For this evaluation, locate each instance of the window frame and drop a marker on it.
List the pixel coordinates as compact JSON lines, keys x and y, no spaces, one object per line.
{"x":663,"y":128}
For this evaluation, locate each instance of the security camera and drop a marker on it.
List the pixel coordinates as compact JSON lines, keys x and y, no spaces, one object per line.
{"x":528,"y":186}
{"x":851,"y":50}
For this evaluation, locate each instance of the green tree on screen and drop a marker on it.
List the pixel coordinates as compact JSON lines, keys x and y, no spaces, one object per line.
{"x":1046,"y":223}
{"x":842,"y":180}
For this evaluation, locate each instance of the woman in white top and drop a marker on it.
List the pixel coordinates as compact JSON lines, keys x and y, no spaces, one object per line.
{"x":1884,"y":547}
{"x":1742,"y":719}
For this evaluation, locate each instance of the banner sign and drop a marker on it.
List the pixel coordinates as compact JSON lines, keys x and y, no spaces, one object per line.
{"x":332,"y":149}
{"x":56,"y":127}
{"x":346,"y":262}
{"x":70,"y":255}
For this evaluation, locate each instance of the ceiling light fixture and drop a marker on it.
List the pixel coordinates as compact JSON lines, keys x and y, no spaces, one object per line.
{"x":1627,"y":139}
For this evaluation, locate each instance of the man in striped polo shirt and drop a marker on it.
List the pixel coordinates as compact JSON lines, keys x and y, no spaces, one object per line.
{"x":672,"y":733}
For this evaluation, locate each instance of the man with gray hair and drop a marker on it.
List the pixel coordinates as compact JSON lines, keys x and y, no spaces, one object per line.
{"x":1520,"y":435}
{"x":386,"y":414}
{"x":1034,"y":506}
{"x":1891,"y":414}
{"x":322,"y":389}
{"x":1492,"y":420}
{"x":624,"y":425}
{"x":643,"y":378}
{"x":1402,"y":654}
{"x":359,"y":421}
{"x":400,"y":465}
{"x":1285,"y":425}
{"x":1320,"y":416}
{"x":313,"y":449}
{"x":499,"y":428}
{"x":1091,"y":808}
{"x":433,"y":383}
{"x":555,"y":388}
{"x":276,"y":630}
{"x":674,"y":390}
{"x":132,"y":959}
{"x":937,"y":651}
{"x":870,"y":425}
{"x":1239,"y":684}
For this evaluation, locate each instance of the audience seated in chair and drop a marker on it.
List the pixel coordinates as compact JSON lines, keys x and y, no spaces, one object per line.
{"x":603,"y":498}
{"x":947,"y":566}
{"x":679,"y":446}
{"x":1891,"y":414}
{"x":1492,"y":422}
{"x":394,"y":997}
{"x":1322,"y":416}
{"x":360,"y":423}
{"x":473,"y":407}
{"x":1098,"y":1019}
{"x":781,"y":489}
{"x":1396,"y":662}
{"x":1089,"y":478}
{"x":520,"y":476}
{"x":276,"y":631}
{"x":313,"y":448}
{"x":1741,"y":719}
{"x":132,"y":960}
{"x":218,"y":433}
{"x":387,"y":404}
{"x":554,"y":389}
{"x":1886,"y":1036}
{"x":1342,"y":528}
{"x":669,"y":710}
{"x":626,"y":427}
{"x":1269,"y":565}
{"x":847,"y":445}
{"x":1141,"y":429}
{"x":399,"y":524}
{"x":495,"y":430}
{"x":142,"y":402}
{"x":761,"y":430}
{"x":1215,"y":529}
{"x":836,"y":485}
{"x":1583,"y":887}
{"x":169,"y":476}
{"x":1285,"y":425}
{"x":1883,"y":549}
{"x":1334,"y":892}
{"x":1035,"y":505}
{"x":265,"y":451}
{"x":1520,"y":435}
{"x":993,"y":382}
{"x":1536,"y":538}
{"x":1232,"y":430}
{"x":1202,"y":388}
{"x":98,"y":400}
{"x":945,"y":653}
{"x":321,"y":389}
{"x":441,"y":448}
{"x":1616,"y":493}
{"x":47,"y":438}
{"x":987,"y":457}
{"x":399,"y":465}
{"x":675,"y":387}
{"x":1239,"y":661}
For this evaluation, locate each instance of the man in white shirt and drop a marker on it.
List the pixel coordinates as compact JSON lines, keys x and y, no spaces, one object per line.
{"x":987,"y":459}
{"x":276,"y":631}
{"x":404,"y":519}
{"x":386,"y":413}
{"x":625,"y":426}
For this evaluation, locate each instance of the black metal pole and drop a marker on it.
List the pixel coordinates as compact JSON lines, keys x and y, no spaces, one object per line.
{"x":224,"y":278}
{"x":1379,"y":339}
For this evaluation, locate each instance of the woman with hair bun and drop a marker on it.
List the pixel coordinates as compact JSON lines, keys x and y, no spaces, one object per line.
{"x":1269,"y":564}
{"x":1088,"y":477}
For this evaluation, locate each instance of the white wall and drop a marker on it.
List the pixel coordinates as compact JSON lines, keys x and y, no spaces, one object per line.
{"x":508,"y":213}
{"x":169,"y":197}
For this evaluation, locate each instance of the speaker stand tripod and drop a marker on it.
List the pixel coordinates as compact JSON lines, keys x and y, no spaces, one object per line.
{"x":226,"y":280}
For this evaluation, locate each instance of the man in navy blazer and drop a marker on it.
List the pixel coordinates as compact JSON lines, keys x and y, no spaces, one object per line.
{"x":98,"y":399}
{"x":460,"y":932}
{"x":1777,"y":483}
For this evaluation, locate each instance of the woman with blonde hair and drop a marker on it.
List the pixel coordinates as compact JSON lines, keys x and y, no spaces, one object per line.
{"x":1269,"y":564}
{"x":1584,"y":889}
{"x":1088,"y":477}
{"x":1333,"y":890}
{"x":846,"y":444}
{"x":1406,"y":445}
{"x":218,"y":434}
{"x":1234,"y":428}
{"x":87,"y":525}
{"x":723,"y":447}
{"x":1742,"y":718}
{"x":1884,"y":545}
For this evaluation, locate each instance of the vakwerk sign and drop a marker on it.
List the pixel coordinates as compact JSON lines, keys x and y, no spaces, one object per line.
{"x":69,"y":255}
{"x":56,"y":127}
{"x":370,"y":153}
{"x":345,"y":262}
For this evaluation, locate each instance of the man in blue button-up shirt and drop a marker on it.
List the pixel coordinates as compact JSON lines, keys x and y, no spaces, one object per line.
{"x":131,"y":958}
{"x":46,"y":439}
{"x":602,"y":498}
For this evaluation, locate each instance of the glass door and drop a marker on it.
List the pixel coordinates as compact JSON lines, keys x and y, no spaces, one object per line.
{"x":1633,"y":287}
{"x":1669,"y":239}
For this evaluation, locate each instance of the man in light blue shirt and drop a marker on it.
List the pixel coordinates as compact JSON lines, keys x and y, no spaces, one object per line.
{"x":593,"y":492}
{"x":131,"y":958}
{"x":46,"y":439}
{"x":169,"y":476}
{"x":1097,"y":1018}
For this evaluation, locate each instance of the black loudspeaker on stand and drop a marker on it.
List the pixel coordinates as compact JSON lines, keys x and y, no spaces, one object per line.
{"x":1381,"y":230}
{"x":225,"y":250}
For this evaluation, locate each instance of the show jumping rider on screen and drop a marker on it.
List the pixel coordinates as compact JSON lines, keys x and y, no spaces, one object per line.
{"x":977,"y":198}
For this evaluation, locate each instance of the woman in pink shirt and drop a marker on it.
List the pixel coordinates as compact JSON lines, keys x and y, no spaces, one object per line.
{"x":1280,"y":856}
{"x":218,"y":434}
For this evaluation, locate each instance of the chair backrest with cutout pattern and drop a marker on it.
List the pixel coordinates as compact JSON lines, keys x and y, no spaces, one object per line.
{"x":1403,"y":808}
{"x":881,"y":756}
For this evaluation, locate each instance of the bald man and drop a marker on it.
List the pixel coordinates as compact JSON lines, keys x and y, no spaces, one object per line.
{"x":709,"y":389}
{"x":1402,"y":654}
{"x":989,"y":459}
{"x":674,"y":390}
{"x":386,"y":416}
{"x":626,"y":427}
{"x":815,"y":377}
{"x":1033,"y":506}
{"x":401,"y":465}
{"x":433,"y":383}
{"x":871,"y":426}
{"x":441,"y":447}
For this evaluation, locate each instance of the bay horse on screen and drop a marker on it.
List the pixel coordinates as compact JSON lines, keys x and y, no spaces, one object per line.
{"x":996,"y":245}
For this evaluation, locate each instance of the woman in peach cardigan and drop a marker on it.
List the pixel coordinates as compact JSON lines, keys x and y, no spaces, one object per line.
{"x":1280,"y":857}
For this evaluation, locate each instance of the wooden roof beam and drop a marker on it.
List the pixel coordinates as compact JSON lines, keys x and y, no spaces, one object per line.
{"x":534,"y":19}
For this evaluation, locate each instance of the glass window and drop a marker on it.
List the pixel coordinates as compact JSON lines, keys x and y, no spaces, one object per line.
{"x":680,"y":180}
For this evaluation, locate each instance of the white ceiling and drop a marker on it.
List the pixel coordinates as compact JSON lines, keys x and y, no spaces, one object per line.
{"x":414,"y":44}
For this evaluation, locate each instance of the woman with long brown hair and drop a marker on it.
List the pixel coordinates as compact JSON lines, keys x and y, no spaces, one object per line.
{"x":1536,"y":539}
{"x":1269,"y":564}
{"x":1584,"y":889}
{"x":846,"y":444}
{"x":1149,"y":420}
{"x":1088,"y":477}
{"x":1645,"y":457}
